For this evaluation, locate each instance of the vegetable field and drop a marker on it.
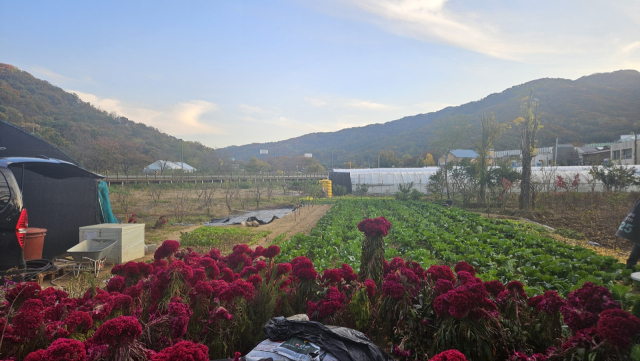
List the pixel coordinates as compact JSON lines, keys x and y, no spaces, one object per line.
{"x":431,"y":234}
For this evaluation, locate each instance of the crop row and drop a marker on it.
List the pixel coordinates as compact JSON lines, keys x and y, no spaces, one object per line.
{"x":428,"y":234}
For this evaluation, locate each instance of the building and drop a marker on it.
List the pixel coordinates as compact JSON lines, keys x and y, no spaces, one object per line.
{"x":624,"y":151}
{"x":162,"y":166}
{"x":457,"y":155}
{"x":589,"y":155}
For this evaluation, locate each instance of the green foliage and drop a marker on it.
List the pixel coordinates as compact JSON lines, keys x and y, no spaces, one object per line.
{"x":404,"y":191}
{"x":220,"y":237}
{"x":428,"y":233}
{"x":338,"y":190}
{"x":361,"y":189}
{"x":635,"y":353}
{"x":615,"y":177}
{"x":570,"y":233}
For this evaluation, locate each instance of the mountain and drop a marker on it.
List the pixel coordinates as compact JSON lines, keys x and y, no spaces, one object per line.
{"x":98,"y":140}
{"x":594,"y":108}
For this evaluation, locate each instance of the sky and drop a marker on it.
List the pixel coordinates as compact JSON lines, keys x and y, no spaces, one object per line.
{"x":238,"y":72}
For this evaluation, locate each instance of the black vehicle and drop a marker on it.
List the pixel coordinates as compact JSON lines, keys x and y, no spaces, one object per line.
{"x":14,"y":218}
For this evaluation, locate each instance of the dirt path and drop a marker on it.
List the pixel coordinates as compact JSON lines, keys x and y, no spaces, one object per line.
{"x":300,"y":221}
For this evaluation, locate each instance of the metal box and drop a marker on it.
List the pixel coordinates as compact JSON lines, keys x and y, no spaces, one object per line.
{"x":129,"y":240}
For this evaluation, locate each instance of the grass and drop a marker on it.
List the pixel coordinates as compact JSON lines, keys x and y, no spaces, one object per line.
{"x":220,"y":237}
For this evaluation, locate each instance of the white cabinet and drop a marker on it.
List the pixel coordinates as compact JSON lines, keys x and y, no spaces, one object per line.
{"x":129,"y":237}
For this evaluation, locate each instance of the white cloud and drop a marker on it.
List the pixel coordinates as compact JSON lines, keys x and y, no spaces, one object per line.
{"x":186,"y":118}
{"x":253,"y":109}
{"x":538,"y":32}
{"x":315,"y":102}
{"x":368,"y":105}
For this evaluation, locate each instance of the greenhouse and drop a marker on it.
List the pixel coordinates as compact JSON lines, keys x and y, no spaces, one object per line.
{"x":387,"y":180}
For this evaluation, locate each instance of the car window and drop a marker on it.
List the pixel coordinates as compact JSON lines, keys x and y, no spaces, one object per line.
{"x":5,"y":192}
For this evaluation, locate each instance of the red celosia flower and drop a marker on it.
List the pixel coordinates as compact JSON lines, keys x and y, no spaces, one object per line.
{"x":347,"y":273}
{"x":332,"y":302}
{"x":198,"y":275}
{"x":210,"y":267}
{"x":303,"y":268}
{"x":271,"y":252}
{"x":257,"y":252}
{"x":374,"y":227}
{"x":183,"y":350}
{"x":442,"y":286}
{"x":179,"y":314}
{"x":399,"y":352}
{"x":436,"y":273}
{"x":168,"y":248}
{"x":119,"y":301}
{"x":116,"y":269}
{"x":101,"y":311}
{"x":248,"y":271}
{"x":226,"y":275}
{"x":618,"y":327}
{"x":119,"y":331}
{"x":494,"y":287}
{"x":221,"y":313}
{"x":179,"y":267}
{"x":392,"y":286}
{"x":464,"y":266}
{"x":284,"y":268}
{"x":145,"y":268}
{"x":115,"y":284}
{"x":236,"y":356}
{"x":54,"y":313}
{"x":517,"y":287}
{"x":254,"y":279}
{"x":241,"y":248}
{"x":585,"y":338}
{"x":36,"y":356}
{"x":396,"y":263}
{"x":551,"y":302}
{"x":55,"y":330}
{"x":449,"y":355}
{"x":23,"y":291}
{"x":260,"y":265}
{"x":78,"y":322}
{"x":203,"y":289}
{"x":134,"y":291}
{"x":332,"y":276}
{"x":29,"y":318}
{"x":371,"y":287}
{"x":410,"y":276}
{"x":521,"y":356}
{"x":49,"y":296}
{"x":131,"y":269}
{"x":214,"y":254}
{"x":584,"y":304}
{"x":64,"y":349}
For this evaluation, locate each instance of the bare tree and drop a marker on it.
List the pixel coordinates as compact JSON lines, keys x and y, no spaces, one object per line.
{"x":449,"y":138}
{"x":527,"y":126}
{"x":489,"y":132}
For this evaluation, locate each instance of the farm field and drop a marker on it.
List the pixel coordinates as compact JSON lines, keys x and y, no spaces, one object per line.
{"x":431,"y":234}
{"x":452,"y":285}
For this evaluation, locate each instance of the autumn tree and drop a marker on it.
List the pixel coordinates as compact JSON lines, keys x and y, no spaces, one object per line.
{"x":527,"y":126}
{"x":255,"y":165}
{"x":428,"y":160}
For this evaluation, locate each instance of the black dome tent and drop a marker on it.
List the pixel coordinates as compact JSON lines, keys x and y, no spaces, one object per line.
{"x":60,"y":199}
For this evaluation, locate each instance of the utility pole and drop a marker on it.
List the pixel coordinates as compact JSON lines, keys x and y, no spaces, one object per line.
{"x":635,"y":149}
{"x":182,"y":154}
{"x":378,"y":160}
{"x":555,"y":154}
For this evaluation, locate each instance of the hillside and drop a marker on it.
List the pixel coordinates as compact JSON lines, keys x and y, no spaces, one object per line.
{"x":594,"y":108}
{"x":98,"y":140}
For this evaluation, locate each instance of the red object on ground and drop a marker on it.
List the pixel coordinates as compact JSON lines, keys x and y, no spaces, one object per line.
{"x":33,"y":243}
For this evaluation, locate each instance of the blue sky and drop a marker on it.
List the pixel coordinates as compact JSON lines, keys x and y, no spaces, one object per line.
{"x":237,"y":72}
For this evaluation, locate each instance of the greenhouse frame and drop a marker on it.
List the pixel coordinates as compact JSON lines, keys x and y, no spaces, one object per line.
{"x":387,"y":180}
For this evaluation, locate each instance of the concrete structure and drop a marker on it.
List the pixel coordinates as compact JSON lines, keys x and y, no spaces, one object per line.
{"x":624,"y":151}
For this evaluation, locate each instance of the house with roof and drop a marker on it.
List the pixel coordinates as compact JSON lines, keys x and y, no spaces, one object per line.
{"x":456,"y":155}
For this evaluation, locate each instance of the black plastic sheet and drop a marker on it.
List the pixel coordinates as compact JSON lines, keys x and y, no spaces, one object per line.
{"x":344,"y":343}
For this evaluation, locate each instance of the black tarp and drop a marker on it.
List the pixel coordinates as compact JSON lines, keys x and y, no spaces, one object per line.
{"x":20,"y":143}
{"x":344,"y":343}
{"x":60,"y":206}
{"x":341,"y":178}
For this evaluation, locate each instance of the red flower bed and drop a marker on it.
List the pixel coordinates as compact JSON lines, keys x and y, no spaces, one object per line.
{"x":190,"y":306}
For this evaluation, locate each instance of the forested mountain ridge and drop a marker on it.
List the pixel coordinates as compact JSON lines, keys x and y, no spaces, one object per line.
{"x":594,"y":108}
{"x":98,"y":140}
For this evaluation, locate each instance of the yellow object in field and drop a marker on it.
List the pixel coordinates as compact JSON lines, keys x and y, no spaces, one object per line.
{"x":326,"y":184}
